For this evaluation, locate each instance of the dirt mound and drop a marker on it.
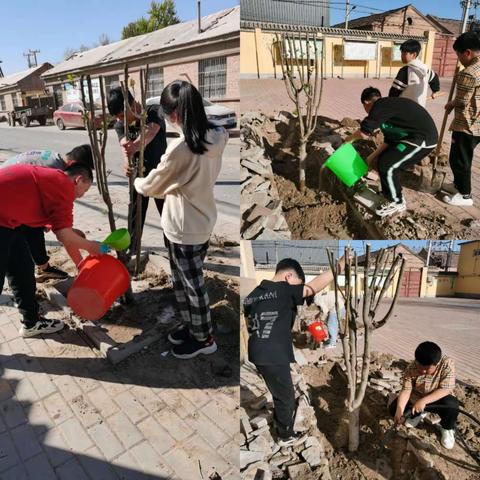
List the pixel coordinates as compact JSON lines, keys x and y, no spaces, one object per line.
{"x":415,"y":453}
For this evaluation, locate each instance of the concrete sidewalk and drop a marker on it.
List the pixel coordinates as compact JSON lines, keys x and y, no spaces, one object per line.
{"x":66,"y":414}
{"x":341,"y":98}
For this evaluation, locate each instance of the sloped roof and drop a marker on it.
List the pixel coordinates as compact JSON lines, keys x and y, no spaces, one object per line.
{"x":448,"y":25}
{"x":361,"y":259}
{"x":215,"y":25}
{"x":378,"y":17}
{"x":14,"y":78}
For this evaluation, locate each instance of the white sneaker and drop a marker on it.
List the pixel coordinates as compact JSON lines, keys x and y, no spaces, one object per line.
{"x":458,"y":200}
{"x":450,"y":188}
{"x":414,"y":422}
{"x":389,"y":208}
{"x":448,"y":438}
{"x":43,"y":326}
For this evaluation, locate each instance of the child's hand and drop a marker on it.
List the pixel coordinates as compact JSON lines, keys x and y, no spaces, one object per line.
{"x":398,"y":417}
{"x":419,"y":406}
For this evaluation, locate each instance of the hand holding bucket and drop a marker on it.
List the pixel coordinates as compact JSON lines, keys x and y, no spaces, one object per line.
{"x":347,"y":164}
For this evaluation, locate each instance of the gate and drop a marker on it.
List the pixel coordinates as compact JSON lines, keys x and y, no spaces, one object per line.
{"x":411,"y":283}
{"x":444,"y":58}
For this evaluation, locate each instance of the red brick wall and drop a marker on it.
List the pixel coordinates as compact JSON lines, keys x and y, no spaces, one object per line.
{"x":182,"y":71}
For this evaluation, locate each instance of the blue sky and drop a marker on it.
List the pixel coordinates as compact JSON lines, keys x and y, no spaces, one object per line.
{"x":53,"y":25}
{"x":443,"y":8}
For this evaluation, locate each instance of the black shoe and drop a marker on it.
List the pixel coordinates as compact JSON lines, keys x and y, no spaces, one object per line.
{"x":50,"y":273}
{"x":179,"y":336}
{"x":291,"y":441}
{"x":192,"y":347}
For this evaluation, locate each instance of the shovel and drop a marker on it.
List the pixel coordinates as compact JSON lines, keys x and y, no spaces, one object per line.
{"x":435,"y":182}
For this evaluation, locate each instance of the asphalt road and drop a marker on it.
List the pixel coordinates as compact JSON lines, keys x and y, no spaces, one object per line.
{"x":15,"y":140}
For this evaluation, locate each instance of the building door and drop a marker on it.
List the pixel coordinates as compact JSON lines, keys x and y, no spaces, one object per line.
{"x":444,"y":57}
{"x":411,"y":283}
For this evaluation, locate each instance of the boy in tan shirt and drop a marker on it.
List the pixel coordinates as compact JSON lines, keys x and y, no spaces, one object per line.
{"x":429,"y":382}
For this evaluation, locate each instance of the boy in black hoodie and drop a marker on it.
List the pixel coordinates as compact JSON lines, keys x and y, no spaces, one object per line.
{"x":270,"y":310}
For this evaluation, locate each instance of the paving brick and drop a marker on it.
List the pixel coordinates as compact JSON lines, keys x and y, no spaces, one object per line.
{"x":24,"y":391}
{"x":12,"y":413}
{"x":19,"y":346}
{"x":85,"y":411}
{"x":26,"y":441}
{"x":38,"y":418}
{"x":8,"y":455}
{"x":96,"y":466}
{"x":105,"y":440}
{"x":42,"y":384}
{"x":131,"y":406}
{"x":87,"y":384}
{"x":56,"y":447}
{"x":13,"y":369}
{"x":157,"y":435}
{"x":230,"y":452}
{"x":173,"y":424}
{"x":8,"y":331}
{"x":75,"y":435}
{"x":204,"y":426}
{"x":5,"y":390}
{"x":209,"y":457}
{"x":178,"y":401}
{"x":150,"y":460}
{"x":103,"y":402}
{"x":228,"y":421}
{"x":184,"y":465}
{"x":127,"y":468}
{"x":66,"y":384}
{"x":38,"y":467}
{"x":4,"y":320}
{"x":57,"y":408}
{"x":16,"y":473}
{"x":147,"y":398}
{"x":71,"y":470}
{"x":124,"y":429}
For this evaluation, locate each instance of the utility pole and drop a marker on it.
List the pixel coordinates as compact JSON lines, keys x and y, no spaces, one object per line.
{"x":466,"y":7}
{"x":429,"y":252}
{"x":347,"y":5}
{"x":34,"y":53}
{"x":449,"y":255}
{"x":31,"y":53}
{"x":1,"y":71}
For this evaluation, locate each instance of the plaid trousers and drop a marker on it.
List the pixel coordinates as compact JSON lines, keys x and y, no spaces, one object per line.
{"x":186,"y":263}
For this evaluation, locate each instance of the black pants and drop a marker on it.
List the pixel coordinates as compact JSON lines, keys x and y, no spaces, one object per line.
{"x":393,"y":159}
{"x":279,"y":382}
{"x":461,"y":157}
{"x":448,"y":416}
{"x":16,"y":264}
{"x":35,"y":237}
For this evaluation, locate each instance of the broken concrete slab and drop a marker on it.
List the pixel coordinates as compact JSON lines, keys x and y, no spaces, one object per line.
{"x":247,"y":458}
{"x":259,"y":422}
{"x":260,"y":444}
{"x":304,"y":418}
{"x":312,"y":455}
{"x":245,"y":426}
{"x":257,"y":471}
{"x":299,"y":357}
{"x":300,"y":471}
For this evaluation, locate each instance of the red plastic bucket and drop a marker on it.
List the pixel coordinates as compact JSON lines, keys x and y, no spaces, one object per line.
{"x":100,"y":281}
{"x":317,"y":330}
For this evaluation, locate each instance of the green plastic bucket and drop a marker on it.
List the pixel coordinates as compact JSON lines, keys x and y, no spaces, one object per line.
{"x":347,"y":164}
{"x":118,"y":240}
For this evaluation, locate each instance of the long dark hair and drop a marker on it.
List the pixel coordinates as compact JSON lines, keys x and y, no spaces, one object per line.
{"x":182,"y":97}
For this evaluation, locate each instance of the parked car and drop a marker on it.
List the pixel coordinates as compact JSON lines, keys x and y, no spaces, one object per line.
{"x":219,"y":115}
{"x":71,"y":115}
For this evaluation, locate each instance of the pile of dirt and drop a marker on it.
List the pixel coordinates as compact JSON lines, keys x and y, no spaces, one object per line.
{"x":410,"y":453}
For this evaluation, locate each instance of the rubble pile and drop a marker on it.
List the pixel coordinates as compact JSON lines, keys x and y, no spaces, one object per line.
{"x":261,"y":207}
{"x":261,"y":458}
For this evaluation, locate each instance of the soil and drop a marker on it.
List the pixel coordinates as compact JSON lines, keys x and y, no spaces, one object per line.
{"x":328,"y":387}
{"x":153,"y":295}
{"x":322,"y":211}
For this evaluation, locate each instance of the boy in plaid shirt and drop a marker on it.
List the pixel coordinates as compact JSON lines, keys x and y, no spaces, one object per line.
{"x":429,"y":381}
{"x":466,"y":123}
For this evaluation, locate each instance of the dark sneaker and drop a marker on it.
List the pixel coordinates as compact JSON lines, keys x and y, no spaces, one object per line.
{"x":50,"y":273}
{"x":43,"y":326}
{"x":192,"y":347}
{"x":292,"y":441}
{"x":179,"y":336}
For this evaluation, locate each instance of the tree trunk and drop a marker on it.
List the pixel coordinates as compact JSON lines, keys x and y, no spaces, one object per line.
{"x":302,"y":156}
{"x":353,"y":429}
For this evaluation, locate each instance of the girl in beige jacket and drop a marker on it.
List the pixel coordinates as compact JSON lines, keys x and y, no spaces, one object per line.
{"x":185,"y":178}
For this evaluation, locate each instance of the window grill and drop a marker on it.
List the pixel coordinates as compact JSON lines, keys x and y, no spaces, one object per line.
{"x":155,"y":82}
{"x":2,"y":103}
{"x":213,"y":77}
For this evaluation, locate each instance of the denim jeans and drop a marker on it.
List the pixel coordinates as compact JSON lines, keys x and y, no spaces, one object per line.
{"x":332,"y":325}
